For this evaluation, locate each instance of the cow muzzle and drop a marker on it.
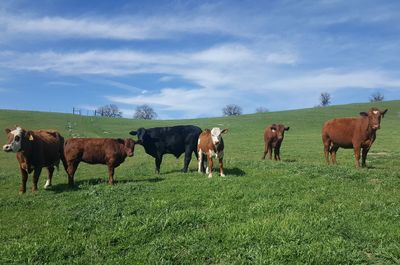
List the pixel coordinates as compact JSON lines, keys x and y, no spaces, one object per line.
{"x":376,"y":127}
{"x":7,"y":148}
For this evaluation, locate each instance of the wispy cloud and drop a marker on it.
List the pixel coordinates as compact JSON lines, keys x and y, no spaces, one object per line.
{"x":121,"y":28}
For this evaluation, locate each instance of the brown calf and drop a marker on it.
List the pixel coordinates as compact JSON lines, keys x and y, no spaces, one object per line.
{"x":211,"y":144}
{"x":106,"y":151}
{"x":273,"y":137}
{"x":353,"y":133}
{"x":35,"y":150}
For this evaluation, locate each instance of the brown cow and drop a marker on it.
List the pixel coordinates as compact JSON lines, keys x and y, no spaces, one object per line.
{"x":106,"y":151}
{"x":353,"y":133}
{"x":211,"y":144}
{"x":35,"y":150}
{"x":273,"y":137}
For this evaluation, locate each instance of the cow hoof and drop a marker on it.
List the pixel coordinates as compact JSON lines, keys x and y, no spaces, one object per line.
{"x":222,"y":175}
{"x":22,"y":192}
{"x":209,"y":176}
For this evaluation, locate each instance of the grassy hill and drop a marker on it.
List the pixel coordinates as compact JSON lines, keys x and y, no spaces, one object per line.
{"x":295,"y":211}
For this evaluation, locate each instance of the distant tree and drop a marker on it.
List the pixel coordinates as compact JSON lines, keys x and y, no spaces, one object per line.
{"x":376,"y":97}
{"x":232,"y":110}
{"x":145,"y":112}
{"x":261,"y":110}
{"x":325,"y":99}
{"x":109,"y":111}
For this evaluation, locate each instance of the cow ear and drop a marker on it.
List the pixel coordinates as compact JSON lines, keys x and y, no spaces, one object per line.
{"x":133,"y":132}
{"x":384,"y":112}
{"x":7,"y":131}
{"x":29,"y":135}
{"x":224,"y":131}
{"x":287,"y":128}
{"x":364,"y":114}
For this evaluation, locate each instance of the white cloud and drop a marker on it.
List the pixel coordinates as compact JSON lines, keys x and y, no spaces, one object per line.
{"x":121,"y":28}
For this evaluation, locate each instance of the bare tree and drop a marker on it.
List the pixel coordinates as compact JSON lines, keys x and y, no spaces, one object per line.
{"x":145,"y":112}
{"x":261,"y":110}
{"x":232,"y":110}
{"x":325,"y":99}
{"x":109,"y":111}
{"x":376,"y":97}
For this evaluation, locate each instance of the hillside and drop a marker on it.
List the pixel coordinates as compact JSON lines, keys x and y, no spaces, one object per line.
{"x":295,"y":211}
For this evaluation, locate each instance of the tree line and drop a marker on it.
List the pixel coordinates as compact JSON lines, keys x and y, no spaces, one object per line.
{"x":146,"y":112}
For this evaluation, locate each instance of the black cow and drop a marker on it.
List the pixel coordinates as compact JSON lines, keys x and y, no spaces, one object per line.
{"x":174,"y":140}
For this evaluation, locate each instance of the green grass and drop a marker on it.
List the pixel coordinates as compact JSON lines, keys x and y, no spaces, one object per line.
{"x":298,"y":211}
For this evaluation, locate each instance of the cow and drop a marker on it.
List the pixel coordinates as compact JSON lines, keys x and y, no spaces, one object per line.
{"x":211,"y":144}
{"x":106,"y":151}
{"x":35,"y":150}
{"x":273,"y":137}
{"x":174,"y":140}
{"x":353,"y":133}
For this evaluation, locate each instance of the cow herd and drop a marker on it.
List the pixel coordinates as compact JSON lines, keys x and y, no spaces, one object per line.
{"x":46,"y":148}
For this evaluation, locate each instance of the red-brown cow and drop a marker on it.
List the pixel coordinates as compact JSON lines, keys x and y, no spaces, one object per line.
{"x":353,"y":133}
{"x":106,"y":151}
{"x":35,"y":150}
{"x":273,"y":137}
{"x":211,"y":144}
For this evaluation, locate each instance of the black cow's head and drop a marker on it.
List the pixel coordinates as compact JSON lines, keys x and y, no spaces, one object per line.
{"x":374,"y":117}
{"x":15,"y":138}
{"x":141,"y":135}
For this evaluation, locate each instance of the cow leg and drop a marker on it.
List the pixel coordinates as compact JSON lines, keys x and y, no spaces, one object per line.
{"x":333,"y":151}
{"x":357,"y":150}
{"x":200,"y":162}
{"x":364,"y":156}
{"x":221,"y":167}
{"x":265,"y":151}
{"x":72,"y":167}
{"x":277,"y":156}
{"x":110,"y":174}
{"x":50,"y":177}
{"x":210,"y":165}
{"x":188,"y":157}
{"x":158,"y":161}
{"x":35,"y":179}
{"x":327,"y":144}
{"x":270,"y":151}
{"x":24,"y":179}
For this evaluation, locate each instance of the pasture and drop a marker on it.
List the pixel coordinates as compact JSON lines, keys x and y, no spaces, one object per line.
{"x":295,"y":211}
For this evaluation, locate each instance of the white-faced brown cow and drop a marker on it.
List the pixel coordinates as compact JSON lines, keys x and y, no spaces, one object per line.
{"x":106,"y":151}
{"x":211,"y":144}
{"x":35,"y":150}
{"x":273,"y":137}
{"x":353,"y":133}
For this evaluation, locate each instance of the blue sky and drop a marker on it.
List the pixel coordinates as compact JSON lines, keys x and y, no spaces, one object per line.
{"x":189,"y":59}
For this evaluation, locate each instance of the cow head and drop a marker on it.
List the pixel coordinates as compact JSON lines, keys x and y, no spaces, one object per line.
{"x":129,"y":145}
{"x":141,"y":132}
{"x":15,"y":138}
{"x":279,"y":130}
{"x":216,"y":135}
{"x":374,"y":116}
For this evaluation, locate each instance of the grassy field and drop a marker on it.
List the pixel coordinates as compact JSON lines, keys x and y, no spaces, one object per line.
{"x":297,"y":211}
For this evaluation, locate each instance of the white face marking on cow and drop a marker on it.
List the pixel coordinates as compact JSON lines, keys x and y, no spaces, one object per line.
{"x":273,"y":130}
{"x":15,"y":145}
{"x":375,"y":112}
{"x":216,"y":135}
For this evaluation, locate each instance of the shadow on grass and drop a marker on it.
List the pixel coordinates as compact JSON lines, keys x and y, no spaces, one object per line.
{"x":96,"y":181}
{"x":234,"y":172}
